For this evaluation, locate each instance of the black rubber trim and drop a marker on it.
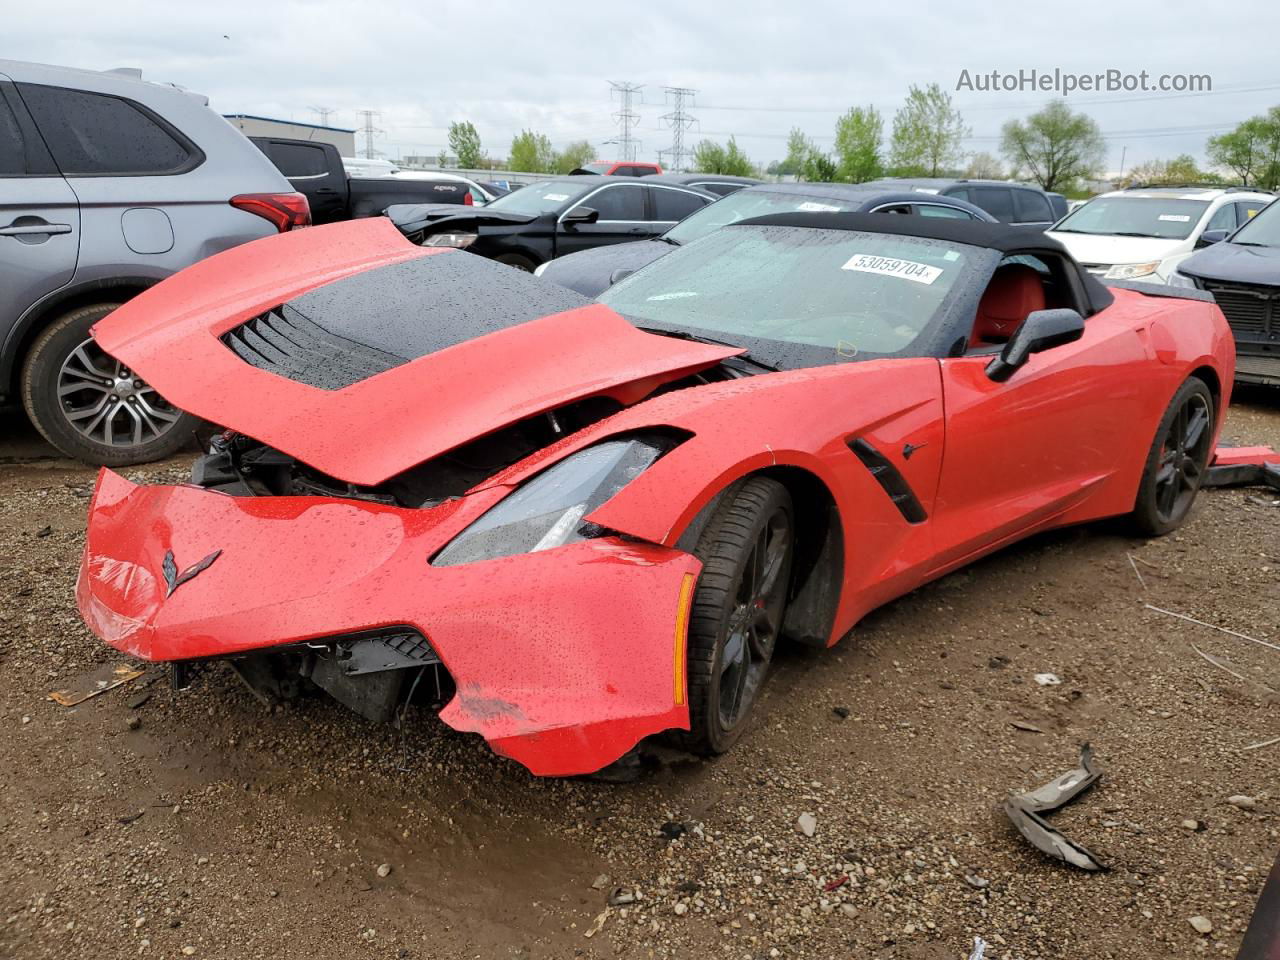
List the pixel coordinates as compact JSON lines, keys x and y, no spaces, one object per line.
{"x":890,"y":479}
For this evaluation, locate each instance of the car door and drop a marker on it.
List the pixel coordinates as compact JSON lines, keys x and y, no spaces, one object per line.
{"x":1023,"y":453}
{"x":669,"y":205}
{"x":313,"y":171}
{"x":39,"y":215}
{"x":1032,"y":209}
{"x":623,"y":216}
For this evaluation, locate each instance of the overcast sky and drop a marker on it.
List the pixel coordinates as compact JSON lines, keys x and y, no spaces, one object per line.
{"x":759,"y":69}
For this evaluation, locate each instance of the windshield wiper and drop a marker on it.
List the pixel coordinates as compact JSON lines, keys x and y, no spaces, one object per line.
{"x":686,"y":335}
{"x":1130,"y":233}
{"x":665,"y":239}
{"x":1250,"y":243}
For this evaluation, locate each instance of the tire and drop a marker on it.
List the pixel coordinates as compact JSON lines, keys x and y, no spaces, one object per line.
{"x":100,"y":425}
{"x":1177,"y":461}
{"x":729,"y":648}
{"x":516,"y":260}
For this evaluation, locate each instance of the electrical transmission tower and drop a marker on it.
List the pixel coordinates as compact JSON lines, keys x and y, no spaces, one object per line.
{"x":324,"y":113}
{"x":370,"y":130}
{"x":627,"y":117}
{"x":679,"y":121}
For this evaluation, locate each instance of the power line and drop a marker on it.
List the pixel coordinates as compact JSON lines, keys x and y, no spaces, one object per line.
{"x":626,"y":117}
{"x":324,"y":113}
{"x":679,"y":122}
{"x":370,"y":130}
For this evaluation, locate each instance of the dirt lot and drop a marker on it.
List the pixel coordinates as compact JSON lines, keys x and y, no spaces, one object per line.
{"x":202,"y":824}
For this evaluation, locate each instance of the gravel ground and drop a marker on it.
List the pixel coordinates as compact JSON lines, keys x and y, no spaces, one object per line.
{"x":149,"y":823}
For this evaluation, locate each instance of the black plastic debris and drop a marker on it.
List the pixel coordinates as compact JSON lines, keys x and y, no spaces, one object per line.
{"x":1025,"y":811}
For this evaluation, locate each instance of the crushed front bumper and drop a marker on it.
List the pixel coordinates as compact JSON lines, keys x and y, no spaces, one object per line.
{"x":562,"y":660}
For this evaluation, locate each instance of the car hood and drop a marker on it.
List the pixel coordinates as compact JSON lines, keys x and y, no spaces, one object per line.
{"x":1235,"y":263}
{"x":1104,"y":249}
{"x":363,"y":355}
{"x":588,"y":271}
{"x":410,"y":218}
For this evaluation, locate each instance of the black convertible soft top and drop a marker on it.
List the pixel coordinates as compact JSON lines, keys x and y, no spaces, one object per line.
{"x":1002,"y":237}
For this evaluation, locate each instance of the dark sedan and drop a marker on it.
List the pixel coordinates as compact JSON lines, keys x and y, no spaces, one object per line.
{"x":554,"y":217}
{"x":591,"y":272}
{"x":721,"y":184}
{"x":1243,"y":274}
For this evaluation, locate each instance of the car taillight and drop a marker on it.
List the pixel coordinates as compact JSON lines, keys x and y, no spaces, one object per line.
{"x":468,"y":200}
{"x":285,"y":210}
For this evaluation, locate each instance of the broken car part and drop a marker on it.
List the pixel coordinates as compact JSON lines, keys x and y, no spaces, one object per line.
{"x":444,"y":478}
{"x":1244,"y":467}
{"x":1025,"y":810}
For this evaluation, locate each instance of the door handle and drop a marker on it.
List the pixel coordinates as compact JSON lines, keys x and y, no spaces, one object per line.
{"x":34,"y":229}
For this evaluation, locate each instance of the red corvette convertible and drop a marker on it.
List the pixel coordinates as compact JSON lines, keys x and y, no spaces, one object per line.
{"x":575,"y":524}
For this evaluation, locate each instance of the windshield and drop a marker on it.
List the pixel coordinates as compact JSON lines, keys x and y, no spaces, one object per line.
{"x":597,"y":167}
{"x":746,"y":204}
{"x":1158,"y":217}
{"x":545,"y":197}
{"x":1262,"y":230}
{"x":798,"y":296}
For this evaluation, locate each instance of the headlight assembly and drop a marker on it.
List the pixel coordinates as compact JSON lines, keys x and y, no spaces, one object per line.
{"x":548,"y":510}
{"x":458,"y":240}
{"x":1131,"y":271}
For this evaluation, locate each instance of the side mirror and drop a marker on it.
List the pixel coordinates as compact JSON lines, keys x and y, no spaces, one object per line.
{"x":580,"y":215}
{"x":1210,"y":237}
{"x":1042,"y":330}
{"x":620,"y":274}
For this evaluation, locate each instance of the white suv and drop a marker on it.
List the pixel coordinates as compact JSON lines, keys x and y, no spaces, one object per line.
{"x":1144,"y":233}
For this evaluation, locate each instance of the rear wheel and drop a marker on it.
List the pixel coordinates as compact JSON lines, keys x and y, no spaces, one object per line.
{"x":516,"y":260}
{"x":746,"y":551}
{"x":1177,"y":461}
{"x":91,"y":406}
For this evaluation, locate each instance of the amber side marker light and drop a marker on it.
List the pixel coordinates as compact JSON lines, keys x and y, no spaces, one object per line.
{"x":682,"y":629}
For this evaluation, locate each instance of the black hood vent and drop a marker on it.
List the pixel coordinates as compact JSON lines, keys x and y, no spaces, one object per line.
{"x":284,"y":342}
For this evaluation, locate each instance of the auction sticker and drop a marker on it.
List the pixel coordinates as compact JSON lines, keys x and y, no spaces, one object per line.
{"x":1175,"y":217}
{"x":556,"y":197}
{"x":893,"y":267}
{"x":810,"y":207}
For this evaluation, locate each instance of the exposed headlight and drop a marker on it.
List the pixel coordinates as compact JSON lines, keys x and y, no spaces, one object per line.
{"x":1179,"y":279}
{"x":547,"y":511}
{"x":1131,"y":271}
{"x":540,"y":269}
{"x":459,"y":240}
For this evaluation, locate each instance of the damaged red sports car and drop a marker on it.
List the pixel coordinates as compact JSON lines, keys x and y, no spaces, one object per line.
{"x":576,"y":524}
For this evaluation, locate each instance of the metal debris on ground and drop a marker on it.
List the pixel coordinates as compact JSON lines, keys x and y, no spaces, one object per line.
{"x":97,"y":681}
{"x":1025,"y":811}
{"x":1048,"y":679}
{"x":1212,"y":626}
{"x":979,"y":949}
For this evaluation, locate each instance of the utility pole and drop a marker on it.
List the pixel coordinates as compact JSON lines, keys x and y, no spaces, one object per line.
{"x":323,"y":113}
{"x":370,"y":130}
{"x":627,"y":117}
{"x":679,"y":121}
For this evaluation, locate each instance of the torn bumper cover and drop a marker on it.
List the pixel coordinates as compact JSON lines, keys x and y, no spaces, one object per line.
{"x":562,"y":659}
{"x":1025,"y":810}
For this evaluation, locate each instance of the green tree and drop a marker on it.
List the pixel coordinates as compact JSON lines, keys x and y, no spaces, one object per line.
{"x":1055,"y":146}
{"x":710,"y":157}
{"x":983,"y":166}
{"x":858,"y":136}
{"x":818,"y":167}
{"x":464,"y":141}
{"x":1181,"y":169}
{"x":798,"y":148}
{"x":1251,"y":151}
{"x":532,"y":153}
{"x":927,"y":133}
{"x":575,"y":155}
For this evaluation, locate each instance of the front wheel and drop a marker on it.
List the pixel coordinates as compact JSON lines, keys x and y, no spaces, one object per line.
{"x":746,"y":551}
{"x":1177,"y":461}
{"x":91,"y":406}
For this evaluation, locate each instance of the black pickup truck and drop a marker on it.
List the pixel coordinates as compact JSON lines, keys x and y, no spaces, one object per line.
{"x":315,"y":169}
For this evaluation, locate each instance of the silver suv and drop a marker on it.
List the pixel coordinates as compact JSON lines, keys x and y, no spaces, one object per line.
{"x":108,"y":184}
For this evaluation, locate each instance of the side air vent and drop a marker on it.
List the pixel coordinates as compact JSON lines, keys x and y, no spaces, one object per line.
{"x":890,"y":479}
{"x":284,"y":342}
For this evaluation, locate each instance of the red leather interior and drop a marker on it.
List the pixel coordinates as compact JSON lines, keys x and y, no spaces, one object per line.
{"x":1015,"y":290}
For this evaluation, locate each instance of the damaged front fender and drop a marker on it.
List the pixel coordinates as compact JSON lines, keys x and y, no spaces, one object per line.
{"x":562,"y":659}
